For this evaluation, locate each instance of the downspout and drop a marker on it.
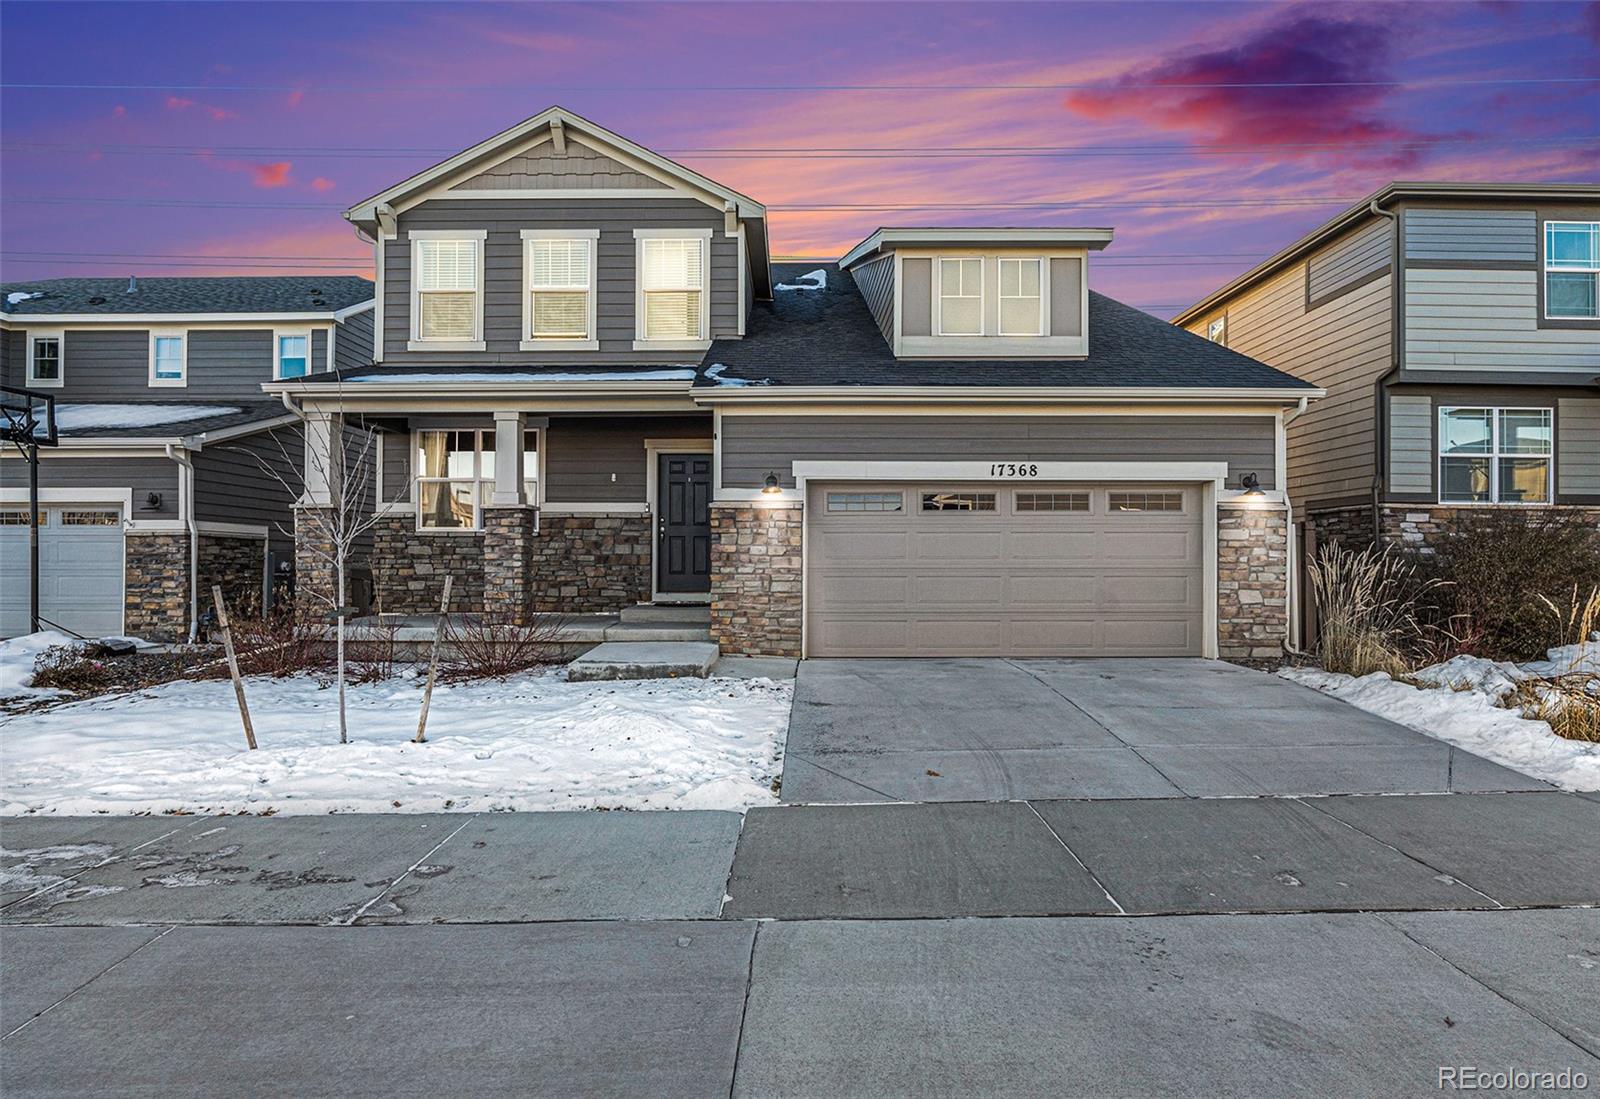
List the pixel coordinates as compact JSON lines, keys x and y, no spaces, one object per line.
{"x":1380,"y":426}
{"x":186,"y":505}
{"x":1293,"y":571}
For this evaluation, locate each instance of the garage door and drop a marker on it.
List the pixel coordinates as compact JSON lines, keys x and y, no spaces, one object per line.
{"x":80,"y":570}
{"x":1004,"y":570}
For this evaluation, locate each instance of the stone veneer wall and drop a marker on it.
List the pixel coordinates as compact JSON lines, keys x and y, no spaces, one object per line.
{"x":1350,"y":526}
{"x":508,"y":535}
{"x":581,"y":564}
{"x":238,"y":564}
{"x":756,"y":579}
{"x":314,"y":588}
{"x":1417,"y":527}
{"x":156,"y":603}
{"x":408,"y":568}
{"x":1252,"y":581}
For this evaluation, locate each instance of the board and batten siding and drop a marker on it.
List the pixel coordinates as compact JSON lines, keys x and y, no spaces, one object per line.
{"x":875,"y":280}
{"x":503,"y":220}
{"x":753,"y":445}
{"x":1344,"y":346}
{"x":1578,"y":446}
{"x":1486,"y":236}
{"x":1464,"y":319}
{"x":1411,"y":446}
{"x":140,"y":475}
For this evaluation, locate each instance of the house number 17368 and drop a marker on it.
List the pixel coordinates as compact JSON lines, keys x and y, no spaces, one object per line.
{"x":1014,"y":469}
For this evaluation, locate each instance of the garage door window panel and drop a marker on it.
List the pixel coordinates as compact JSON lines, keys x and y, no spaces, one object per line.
{"x":90,"y":518}
{"x":20,"y":518}
{"x":958,"y":501}
{"x":878,"y":502}
{"x":1146,"y":501}
{"x":1052,"y":501}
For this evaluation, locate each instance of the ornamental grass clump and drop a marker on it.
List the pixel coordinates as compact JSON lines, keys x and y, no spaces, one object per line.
{"x":1368,"y":610}
{"x":1568,"y":699}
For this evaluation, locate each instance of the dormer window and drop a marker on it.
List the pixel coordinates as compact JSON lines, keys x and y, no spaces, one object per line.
{"x":1021,"y":301}
{"x":673,"y":307}
{"x":447,"y":290}
{"x":559,"y":302}
{"x":961,"y":297}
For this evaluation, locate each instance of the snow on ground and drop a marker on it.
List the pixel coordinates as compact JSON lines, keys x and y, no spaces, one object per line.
{"x":1461,"y":709}
{"x":534,"y":741}
{"x":82,"y":417}
{"x":17,"y":656}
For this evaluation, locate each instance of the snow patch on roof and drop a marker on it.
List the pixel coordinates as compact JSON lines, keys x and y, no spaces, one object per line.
{"x":678,"y":374}
{"x":83,"y":417}
{"x":811,"y":280}
{"x":715,"y":374}
{"x":17,"y":296}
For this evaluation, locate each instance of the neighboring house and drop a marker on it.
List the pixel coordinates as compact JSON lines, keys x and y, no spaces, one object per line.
{"x":157,"y":489}
{"x":1456,"y":329}
{"x":597,"y":391}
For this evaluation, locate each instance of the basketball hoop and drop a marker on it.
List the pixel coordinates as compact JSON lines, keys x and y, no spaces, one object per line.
{"x":28,"y":420}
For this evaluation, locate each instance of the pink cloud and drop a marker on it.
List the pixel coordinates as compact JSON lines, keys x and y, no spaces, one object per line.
{"x":119,"y":111}
{"x":219,"y":114}
{"x":322,"y":183}
{"x":178,"y":103}
{"x":275,"y":174}
{"x":295,"y":97}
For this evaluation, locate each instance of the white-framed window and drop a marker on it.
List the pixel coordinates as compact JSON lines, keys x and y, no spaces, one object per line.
{"x":291,"y":354}
{"x":1496,"y":455}
{"x":558,"y":308}
{"x":453,"y":476}
{"x":1217,"y":331}
{"x":961,"y":296}
{"x":673,"y":305}
{"x":447,"y":290}
{"x":1572,"y":270}
{"x":1021,"y":296}
{"x":169,"y":357}
{"x":46,"y":359}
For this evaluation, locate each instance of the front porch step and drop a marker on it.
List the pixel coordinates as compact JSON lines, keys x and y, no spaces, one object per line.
{"x":677,"y":614}
{"x":644,"y":660}
{"x":659,"y":631}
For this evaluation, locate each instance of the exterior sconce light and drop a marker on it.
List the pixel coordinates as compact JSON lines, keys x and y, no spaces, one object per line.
{"x":1252,"y":485}
{"x":770,"y":486}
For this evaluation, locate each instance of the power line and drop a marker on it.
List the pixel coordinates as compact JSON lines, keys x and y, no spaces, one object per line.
{"x":1064,"y":204}
{"x":1024,"y":86}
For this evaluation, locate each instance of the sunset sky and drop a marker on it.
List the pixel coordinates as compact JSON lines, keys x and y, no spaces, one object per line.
{"x":165,"y":139}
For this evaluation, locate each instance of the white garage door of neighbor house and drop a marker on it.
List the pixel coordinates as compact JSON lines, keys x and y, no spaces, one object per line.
{"x":973,"y":569}
{"x":80,"y":570}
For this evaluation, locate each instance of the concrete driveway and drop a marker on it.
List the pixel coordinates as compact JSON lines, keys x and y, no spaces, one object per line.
{"x":991,"y":730}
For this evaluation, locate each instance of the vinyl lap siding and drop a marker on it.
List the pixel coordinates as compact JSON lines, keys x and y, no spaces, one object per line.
{"x":1360,"y":255}
{"x":141,"y":475}
{"x":352,"y":344}
{"x":1411,"y":457}
{"x":876,"y":283}
{"x":232,"y":482}
{"x":753,"y":445}
{"x":504,"y":219}
{"x":227,"y":364}
{"x":1578,"y":446}
{"x":1461,"y":319}
{"x":1504,"y":236}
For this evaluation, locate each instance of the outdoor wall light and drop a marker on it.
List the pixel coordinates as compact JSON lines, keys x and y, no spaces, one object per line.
{"x":770,"y":486}
{"x":152,"y":502}
{"x":1252,"y":485}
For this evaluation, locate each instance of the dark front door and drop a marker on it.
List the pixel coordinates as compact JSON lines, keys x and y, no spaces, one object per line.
{"x":683,"y":525}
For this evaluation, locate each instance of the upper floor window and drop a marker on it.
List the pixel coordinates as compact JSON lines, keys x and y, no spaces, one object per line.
{"x":447,"y":290}
{"x":1495,"y":455}
{"x":559,"y":304}
{"x":169,"y":358}
{"x":44,"y":360}
{"x":1021,"y":299}
{"x":1572,"y":269}
{"x":291,"y":354}
{"x":454,"y":476}
{"x":961,"y":297}
{"x":1217,"y":331}
{"x":672,"y":295}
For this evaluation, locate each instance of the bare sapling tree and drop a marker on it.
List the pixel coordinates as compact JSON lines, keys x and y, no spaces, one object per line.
{"x":337,"y":509}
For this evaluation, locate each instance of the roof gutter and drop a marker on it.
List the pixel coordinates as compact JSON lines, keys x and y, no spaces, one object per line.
{"x":970,"y":394}
{"x":432,"y":389}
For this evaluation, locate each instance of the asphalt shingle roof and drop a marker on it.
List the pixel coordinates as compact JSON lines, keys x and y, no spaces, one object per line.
{"x":828,"y":337}
{"x":113,"y":420}
{"x":265,"y":294}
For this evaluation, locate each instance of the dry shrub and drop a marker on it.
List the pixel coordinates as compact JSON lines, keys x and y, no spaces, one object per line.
{"x":71,"y":668}
{"x":487,"y":646}
{"x":1503,"y":567}
{"x":1368,"y":610}
{"x":371,"y":657}
{"x":276,"y":644}
{"x":1568,"y":699}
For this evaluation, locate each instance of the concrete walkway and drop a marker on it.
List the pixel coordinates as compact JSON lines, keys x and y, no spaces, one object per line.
{"x":990,"y":730}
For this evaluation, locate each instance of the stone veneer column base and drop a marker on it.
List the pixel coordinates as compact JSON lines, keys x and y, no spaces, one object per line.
{"x":239,"y":566}
{"x":156,"y":586}
{"x":408,"y":568}
{"x":508,"y":535}
{"x":1252,"y":581}
{"x":583,"y":564}
{"x":756,"y":579}
{"x":315,"y":585}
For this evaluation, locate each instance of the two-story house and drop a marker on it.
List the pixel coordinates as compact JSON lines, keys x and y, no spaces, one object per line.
{"x":596,"y":390}
{"x":167,"y":478}
{"x":1456,"y":329}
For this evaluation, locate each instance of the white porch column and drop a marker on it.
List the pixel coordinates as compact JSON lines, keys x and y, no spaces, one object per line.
{"x":508,"y":429}
{"x":323,"y":464}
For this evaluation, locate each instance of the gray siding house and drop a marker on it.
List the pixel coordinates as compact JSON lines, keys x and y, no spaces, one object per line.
{"x":1456,"y":330}
{"x":160,"y":486}
{"x":595,"y":390}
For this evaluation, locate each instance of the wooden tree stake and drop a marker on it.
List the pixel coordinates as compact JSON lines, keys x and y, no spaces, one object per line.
{"x":233,"y":665}
{"x":433,"y":661}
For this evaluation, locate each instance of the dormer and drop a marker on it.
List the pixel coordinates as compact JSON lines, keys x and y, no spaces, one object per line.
{"x":959,"y":293}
